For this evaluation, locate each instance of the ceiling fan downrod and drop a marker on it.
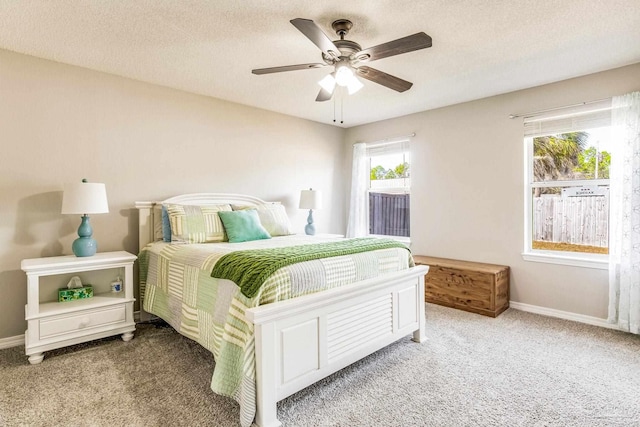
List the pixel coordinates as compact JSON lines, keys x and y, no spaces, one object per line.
{"x":341,"y":27}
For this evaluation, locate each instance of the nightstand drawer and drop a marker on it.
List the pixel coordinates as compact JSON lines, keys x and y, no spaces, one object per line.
{"x":81,"y":320}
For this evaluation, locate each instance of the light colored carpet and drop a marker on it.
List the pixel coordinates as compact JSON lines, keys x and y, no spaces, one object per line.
{"x":519,"y":369}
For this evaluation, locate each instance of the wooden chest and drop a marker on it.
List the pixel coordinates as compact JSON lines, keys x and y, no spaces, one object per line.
{"x":470,"y":286}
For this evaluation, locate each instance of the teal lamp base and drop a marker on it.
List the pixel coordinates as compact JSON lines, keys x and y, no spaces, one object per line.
{"x":84,"y":245}
{"x":310,"y":229}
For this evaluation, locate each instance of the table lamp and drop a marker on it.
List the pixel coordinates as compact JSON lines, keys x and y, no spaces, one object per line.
{"x":310,"y":199}
{"x":84,"y":198}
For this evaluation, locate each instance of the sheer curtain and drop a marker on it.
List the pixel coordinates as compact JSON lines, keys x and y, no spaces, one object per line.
{"x":624,"y":236}
{"x":358,"y":225}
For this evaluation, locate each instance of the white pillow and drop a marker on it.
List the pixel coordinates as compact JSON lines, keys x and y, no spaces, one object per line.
{"x":274,"y":219}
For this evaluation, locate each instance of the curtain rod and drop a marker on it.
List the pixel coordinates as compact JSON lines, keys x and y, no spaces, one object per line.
{"x":382,"y":141}
{"x":533,"y":113}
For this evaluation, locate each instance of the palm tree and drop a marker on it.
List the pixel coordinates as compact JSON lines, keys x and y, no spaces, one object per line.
{"x":556,"y":157}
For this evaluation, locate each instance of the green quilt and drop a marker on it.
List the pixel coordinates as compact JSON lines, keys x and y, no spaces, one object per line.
{"x":249,"y":269}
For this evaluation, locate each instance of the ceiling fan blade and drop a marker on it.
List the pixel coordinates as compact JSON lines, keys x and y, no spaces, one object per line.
{"x":286,"y":68}
{"x":396,"y":47}
{"x":315,"y":34}
{"x":324,"y":95}
{"x":384,"y":79}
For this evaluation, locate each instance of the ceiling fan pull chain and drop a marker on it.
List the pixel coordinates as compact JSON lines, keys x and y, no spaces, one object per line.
{"x":341,"y":108}
{"x":334,"y":109}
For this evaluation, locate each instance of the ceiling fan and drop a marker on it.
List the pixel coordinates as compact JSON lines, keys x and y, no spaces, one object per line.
{"x":347,"y":56}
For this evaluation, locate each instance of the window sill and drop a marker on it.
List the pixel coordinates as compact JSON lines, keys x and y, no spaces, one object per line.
{"x":597,"y":261}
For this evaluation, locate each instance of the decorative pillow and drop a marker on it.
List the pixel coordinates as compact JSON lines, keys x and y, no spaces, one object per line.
{"x":275,"y":220}
{"x":242,"y":207}
{"x":196,"y":224}
{"x":245,"y":207}
{"x":157,"y":225}
{"x":166,"y":225}
{"x":243,"y":226}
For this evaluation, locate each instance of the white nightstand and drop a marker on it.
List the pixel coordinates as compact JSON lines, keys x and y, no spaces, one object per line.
{"x":52,"y":324}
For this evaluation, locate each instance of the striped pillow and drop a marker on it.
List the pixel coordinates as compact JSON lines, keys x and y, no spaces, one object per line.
{"x":196,"y":224}
{"x":275,"y":220}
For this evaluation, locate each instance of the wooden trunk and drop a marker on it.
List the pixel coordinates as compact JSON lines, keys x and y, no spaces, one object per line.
{"x":470,"y":286}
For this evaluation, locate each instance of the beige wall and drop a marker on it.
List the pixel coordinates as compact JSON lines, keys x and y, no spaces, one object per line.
{"x":60,"y":123}
{"x":467,"y":186}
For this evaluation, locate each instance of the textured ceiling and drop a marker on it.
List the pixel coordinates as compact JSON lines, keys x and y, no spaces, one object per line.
{"x":480,"y":47}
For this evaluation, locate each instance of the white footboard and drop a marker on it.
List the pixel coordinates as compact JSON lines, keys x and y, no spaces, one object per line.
{"x":303,"y":340}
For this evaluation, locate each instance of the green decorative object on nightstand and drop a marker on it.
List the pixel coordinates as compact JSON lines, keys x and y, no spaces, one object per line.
{"x":66,"y":294}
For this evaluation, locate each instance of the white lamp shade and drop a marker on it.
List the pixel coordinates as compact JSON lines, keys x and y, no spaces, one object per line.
{"x":328,"y":83}
{"x":310,"y":199}
{"x":344,"y":75}
{"x":84,"y":198}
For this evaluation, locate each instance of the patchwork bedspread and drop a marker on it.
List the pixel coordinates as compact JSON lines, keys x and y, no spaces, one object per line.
{"x":176,"y":285}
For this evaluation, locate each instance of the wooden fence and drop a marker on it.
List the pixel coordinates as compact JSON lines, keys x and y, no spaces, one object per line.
{"x":575,"y":220}
{"x":389,"y":214}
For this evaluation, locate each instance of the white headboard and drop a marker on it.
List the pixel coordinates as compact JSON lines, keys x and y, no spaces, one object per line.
{"x":149,"y":217}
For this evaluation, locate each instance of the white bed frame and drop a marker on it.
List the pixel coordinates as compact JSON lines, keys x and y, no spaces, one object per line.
{"x":302,"y":340}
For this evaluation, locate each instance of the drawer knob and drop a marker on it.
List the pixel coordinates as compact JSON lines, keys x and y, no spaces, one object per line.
{"x":84,"y":322}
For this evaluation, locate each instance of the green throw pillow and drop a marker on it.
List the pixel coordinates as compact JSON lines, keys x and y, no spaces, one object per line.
{"x":243,"y":226}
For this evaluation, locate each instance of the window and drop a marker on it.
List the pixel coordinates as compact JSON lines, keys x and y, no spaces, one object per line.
{"x":380,"y":181}
{"x":389,"y":188}
{"x":567,"y":158}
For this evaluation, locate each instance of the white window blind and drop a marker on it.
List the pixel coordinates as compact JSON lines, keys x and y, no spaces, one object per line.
{"x":387,"y":147}
{"x":590,"y":116}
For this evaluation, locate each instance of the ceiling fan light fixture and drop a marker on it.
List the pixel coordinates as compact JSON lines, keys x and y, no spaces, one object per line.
{"x":344,"y":75}
{"x":328,"y":83}
{"x":354,"y":85}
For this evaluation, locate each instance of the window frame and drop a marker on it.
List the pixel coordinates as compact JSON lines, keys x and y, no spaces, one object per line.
{"x":578,"y":259}
{"x":406,"y":144}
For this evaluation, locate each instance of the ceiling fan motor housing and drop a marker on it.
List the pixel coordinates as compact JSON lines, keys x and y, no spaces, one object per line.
{"x":347,"y":49}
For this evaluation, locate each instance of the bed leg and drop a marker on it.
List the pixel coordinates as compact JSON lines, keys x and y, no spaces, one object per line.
{"x":419,"y":334}
{"x":263,"y":421}
{"x":266,"y":408}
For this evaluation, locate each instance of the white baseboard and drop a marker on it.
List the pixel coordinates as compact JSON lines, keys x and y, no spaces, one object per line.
{"x":566,"y":315}
{"x":9,"y":342}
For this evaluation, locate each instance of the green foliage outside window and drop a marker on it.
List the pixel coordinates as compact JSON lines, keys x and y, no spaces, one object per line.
{"x":377,"y":173}
{"x":400,"y":171}
{"x":556,"y":157}
{"x":587,"y":164}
